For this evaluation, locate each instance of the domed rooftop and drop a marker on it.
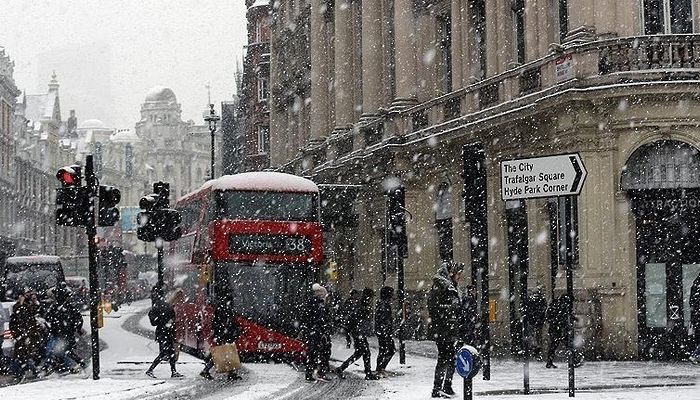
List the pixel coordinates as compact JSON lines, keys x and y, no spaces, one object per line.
{"x":160,"y":93}
{"x":92,"y":124}
{"x":124,"y":136}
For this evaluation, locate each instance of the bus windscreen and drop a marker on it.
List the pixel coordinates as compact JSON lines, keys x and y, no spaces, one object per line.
{"x":270,"y":206}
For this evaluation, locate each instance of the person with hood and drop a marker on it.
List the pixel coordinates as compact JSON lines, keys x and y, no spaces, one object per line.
{"x":317,"y":330}
{"x":360,"y":327}
{"x":226,"y":330}
{"x":162,"y":316}
{"x":29,"y":338}
{"x":444,"y":309}
{"x":384,"y":328}
{"x":694,"y":303}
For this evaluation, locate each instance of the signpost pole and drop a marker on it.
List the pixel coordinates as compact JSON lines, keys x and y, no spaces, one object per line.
{"x":468,"y":388}
{"x":559,"y":175}
{"x":570,"y":292}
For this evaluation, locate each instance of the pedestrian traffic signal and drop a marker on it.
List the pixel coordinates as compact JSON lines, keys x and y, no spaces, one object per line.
{"x":72,"y":200}
{"x":108,"y":213}
{"x":157,"y":220}
{"x":396,"y":220}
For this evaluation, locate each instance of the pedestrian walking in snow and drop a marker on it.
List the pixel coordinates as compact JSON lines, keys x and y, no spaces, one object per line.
{"x":536,"y":315}
{"x":346,"y":310}
{"x":65,"y":322}
{"x":360,"y":327}
{"x":29,"y":338}
{"x":557,"y":318}
{"x":226,"y":331}
{"x":695,"y":318}
{"x":444,"y":311}
{"x":162,"y":316}
{"x":317,"y":328}
{"x":384,"y":328}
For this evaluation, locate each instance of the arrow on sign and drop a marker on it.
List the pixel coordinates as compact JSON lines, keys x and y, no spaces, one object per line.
{"x":579,"y":173}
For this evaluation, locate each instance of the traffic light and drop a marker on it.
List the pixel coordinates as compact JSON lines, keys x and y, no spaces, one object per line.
{"x":108,"y":214}
{"x":157,"y":220}
{"x":73,"y":200}
{"x":396,"y":220}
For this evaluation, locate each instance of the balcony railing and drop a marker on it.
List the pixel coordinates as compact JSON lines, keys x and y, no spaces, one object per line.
{"x":576,"y":65}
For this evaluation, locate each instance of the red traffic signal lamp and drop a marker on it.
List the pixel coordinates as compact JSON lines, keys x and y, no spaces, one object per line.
{"x":72,"y":199}
{"x":108,"y":213}
{"x":70,"y":175}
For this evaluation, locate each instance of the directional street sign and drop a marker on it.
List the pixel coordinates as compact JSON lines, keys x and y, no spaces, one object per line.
{"x":467,"y":362}
{"x":529,"y":178}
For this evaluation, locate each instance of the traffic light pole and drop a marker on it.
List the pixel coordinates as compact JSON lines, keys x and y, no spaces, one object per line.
{"x":91,"y":231}
{"x":159,"y":247}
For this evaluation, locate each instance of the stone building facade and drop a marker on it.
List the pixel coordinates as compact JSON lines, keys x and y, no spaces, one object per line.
{"x":8,"y":194}
{"x":393,"y":91}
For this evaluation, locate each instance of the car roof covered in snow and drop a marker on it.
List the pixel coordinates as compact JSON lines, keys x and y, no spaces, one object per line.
{"x":33,"y":260}
{"x":263,"y":181}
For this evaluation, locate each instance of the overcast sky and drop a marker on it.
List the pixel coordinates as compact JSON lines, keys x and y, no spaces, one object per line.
{"x":107,"y":54}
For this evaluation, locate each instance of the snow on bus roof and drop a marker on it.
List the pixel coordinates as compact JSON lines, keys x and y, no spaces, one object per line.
{"x":259,"y":181}
{"x":33,"y":260}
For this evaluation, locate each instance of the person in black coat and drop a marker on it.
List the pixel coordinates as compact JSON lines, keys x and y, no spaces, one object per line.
{"x":360,"y":327}
{"x":65,"y":322}
{"x":536,"y":316}
{"x":557,"y":318}
{"x":162,"y":316}
{"x":694,"y":303}
{"x":444,"y":309}
{"x":384,"y":328}
{"x":317,"y":330}
{"x":226,"y":330}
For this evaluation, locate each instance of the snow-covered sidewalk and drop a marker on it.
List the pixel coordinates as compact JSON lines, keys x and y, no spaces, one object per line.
{"x":594,"y":380}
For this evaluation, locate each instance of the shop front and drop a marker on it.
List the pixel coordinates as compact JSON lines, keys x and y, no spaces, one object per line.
{"x":662,"y":180}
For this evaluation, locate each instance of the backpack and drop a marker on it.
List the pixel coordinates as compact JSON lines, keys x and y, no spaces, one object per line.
{"x":154,"y":317}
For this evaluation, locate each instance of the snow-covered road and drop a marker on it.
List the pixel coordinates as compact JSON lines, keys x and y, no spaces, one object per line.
{"x":128,"y":355}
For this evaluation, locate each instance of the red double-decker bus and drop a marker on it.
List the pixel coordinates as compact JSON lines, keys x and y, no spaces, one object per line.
{"x":254,"y":235}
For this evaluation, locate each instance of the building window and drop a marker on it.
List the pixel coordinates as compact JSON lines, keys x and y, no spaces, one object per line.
{"x":263,"y":139}
{"x":518,"y":8}
{"x":478,"y":19}
{"x":129,"y":161}
{"x":668,"y":16}
{"x":563,"y":19}
{"x":444,"y":45}
{"x":263,"y":90}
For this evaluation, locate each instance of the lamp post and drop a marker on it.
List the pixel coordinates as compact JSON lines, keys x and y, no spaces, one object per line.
{"x":212,"y":118}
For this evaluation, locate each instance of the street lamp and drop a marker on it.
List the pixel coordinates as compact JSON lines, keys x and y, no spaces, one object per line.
{"x":212,"y":118}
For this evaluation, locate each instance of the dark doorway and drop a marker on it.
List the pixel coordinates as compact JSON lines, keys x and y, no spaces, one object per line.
{"x":662,"y":180}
